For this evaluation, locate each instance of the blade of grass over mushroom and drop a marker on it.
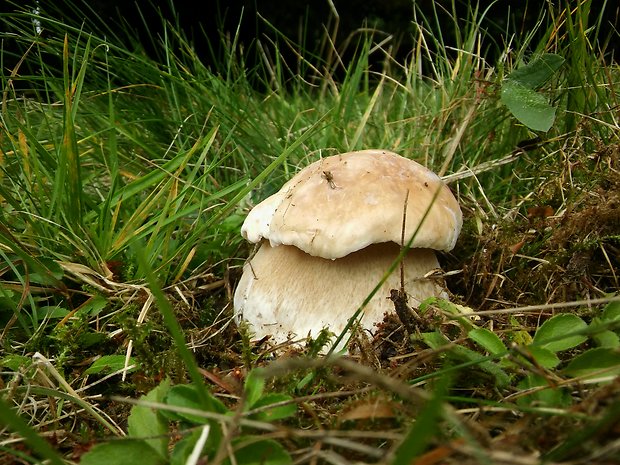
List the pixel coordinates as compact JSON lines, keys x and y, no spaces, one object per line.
{"x":334,"y":216}
{"x":395,"y":264}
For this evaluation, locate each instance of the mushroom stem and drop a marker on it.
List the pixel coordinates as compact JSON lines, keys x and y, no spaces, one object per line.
{"x":285,"y":292}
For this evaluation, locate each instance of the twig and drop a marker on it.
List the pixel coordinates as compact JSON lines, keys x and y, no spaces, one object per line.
{"x":408,"y":317}
{"x":532,"y":308}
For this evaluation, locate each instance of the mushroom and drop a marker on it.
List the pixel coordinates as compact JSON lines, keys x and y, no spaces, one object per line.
{"x":330,"y":235}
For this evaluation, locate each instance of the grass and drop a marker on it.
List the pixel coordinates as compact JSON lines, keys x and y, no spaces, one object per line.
{"x":125,"y":179}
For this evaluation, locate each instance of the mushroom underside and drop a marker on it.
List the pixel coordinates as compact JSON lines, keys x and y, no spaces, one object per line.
{"x":286,"y":293}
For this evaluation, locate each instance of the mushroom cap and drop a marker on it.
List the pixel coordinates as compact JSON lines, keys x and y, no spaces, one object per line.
{"x":345,"y":202}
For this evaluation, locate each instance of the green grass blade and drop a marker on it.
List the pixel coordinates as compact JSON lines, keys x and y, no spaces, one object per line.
{"x":178,"y":336}
{"x":425,"y":427}
{"x":69,"y":188}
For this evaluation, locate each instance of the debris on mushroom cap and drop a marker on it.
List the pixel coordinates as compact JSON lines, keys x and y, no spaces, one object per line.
{"x":345,"y":202}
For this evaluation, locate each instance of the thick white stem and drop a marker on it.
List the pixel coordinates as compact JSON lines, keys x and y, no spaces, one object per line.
{"x":285,"y":292}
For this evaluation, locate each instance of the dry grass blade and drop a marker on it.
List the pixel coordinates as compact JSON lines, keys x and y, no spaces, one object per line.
{"x":551,"y":306}
{"x":107,"y":423}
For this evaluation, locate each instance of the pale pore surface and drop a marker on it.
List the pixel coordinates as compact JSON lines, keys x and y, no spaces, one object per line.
{"x":343,"y":203}
{"x":285,"y":291}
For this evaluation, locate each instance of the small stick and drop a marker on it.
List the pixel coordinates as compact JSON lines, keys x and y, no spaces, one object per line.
{"x":407,"y":316}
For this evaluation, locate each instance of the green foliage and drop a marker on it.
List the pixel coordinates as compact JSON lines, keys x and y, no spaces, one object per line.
{"x":424,"y":428}
{"x":605,"y":329}
{"x":123,"y":452}
{"x":602,"y":362}
{"x":14,"y":362}
{"x":519,"y":92}
{"x":543,"y":356}
{"x":148,"y":426}
{"x":488,"y":340}
{"x":466,"y":357}
{"x":537,"y":72}
{"x":261,"y":452}
{"x":538,"y":391}
{"x":557,"y":334}
{"x":560,"y":332}
{"x":258,"y":403}
{"x":109,"y":364}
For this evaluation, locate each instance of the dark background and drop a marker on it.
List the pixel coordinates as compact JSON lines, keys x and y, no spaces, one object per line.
{"x":205,"y":23}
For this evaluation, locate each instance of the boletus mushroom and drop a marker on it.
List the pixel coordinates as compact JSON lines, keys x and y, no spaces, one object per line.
{"x":331,"y":233}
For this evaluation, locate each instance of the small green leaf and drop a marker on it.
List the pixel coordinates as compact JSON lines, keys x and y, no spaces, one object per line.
{"x":50,"y":273}
{"x":522,"y":338}
{"x":547,"y":397}
{"x":594,"y":360}
{"x":605,"y":330}
{"x":122,"y":452}
{"x":538,"y":71}
{"x":558,"y":333}
{"x":53,"y":312}
{"x":527,"y":105}
{"x":426,"y":304}
{"x":145,"y":422}
{"x":305,"y":381}
{"x":611,"y":312}
{"x":435,"y":340}
{"x":544,"y":357}
{"x":261,"y":452}
{"x":607,"y":339}
{"x":185,"y":395}
{"x":275,"y":413}
{"x":6,"y":293}
{"x":15,"y":362}
{"x":488,"y":340}
{"x":464,"y":315}
{"x":93,"y":306}
{"x":254,"y":386}
{"x":109,"y":364}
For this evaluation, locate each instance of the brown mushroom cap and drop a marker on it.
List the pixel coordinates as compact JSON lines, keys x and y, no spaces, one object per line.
{"x":343,"y":203}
